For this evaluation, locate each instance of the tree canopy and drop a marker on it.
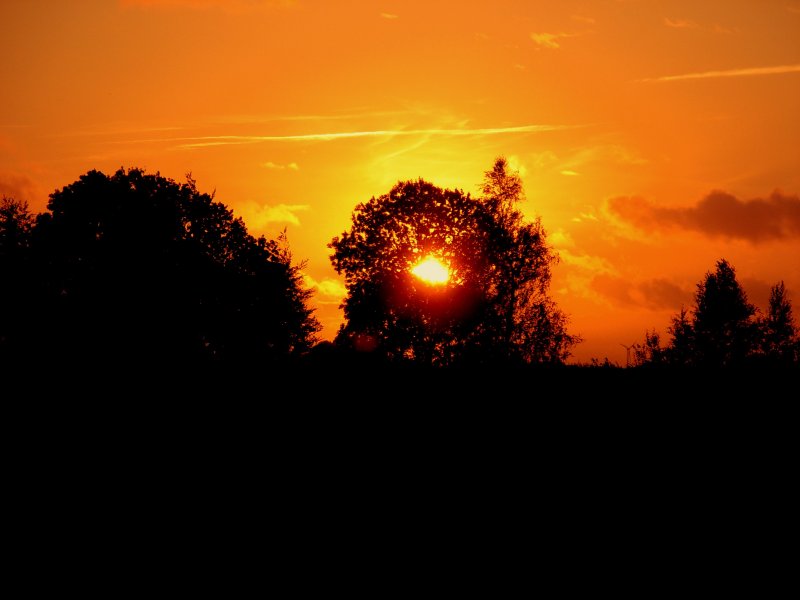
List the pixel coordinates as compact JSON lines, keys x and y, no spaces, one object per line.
{"x":135,"y":265}
{"x":494,"y":305}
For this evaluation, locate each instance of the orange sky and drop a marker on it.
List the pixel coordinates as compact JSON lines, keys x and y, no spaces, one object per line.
{"x":643,"y":128}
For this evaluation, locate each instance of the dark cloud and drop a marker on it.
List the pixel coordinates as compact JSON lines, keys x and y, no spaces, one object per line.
{"x":17,"y":186}
{"x":757,"y":291}
{"x":654,"y":294}
{"x":719,"y":215}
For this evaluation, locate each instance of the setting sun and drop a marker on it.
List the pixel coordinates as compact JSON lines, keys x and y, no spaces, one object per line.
{"x":432,"y":271}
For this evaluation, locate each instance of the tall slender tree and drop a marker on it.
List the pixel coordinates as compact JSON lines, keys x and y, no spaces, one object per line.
{"x":724,"y":325}
{"x":528,"y":324}
{"x":779,"y":331}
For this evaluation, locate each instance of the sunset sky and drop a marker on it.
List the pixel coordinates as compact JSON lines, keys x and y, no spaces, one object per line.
{"x":653,"y":137}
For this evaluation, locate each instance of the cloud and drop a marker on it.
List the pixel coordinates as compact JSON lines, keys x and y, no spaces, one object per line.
{"x":18,"y":186}
{"x":717,"y":28}
{"x":544,"y":159}
{"x":225,"y":140}
{"x":719,"y":214}
{"x":292,"y":166}
{"x":228,"y":5}
{"x":328,"y":288}
{"x":569,"y":173}
{"x":750,"y":72}
{"x":653,"y":294}
{"x":258,"y":119}
{"x":584,"y":19}
{"x":389,"y":16}
{"x":278,"y":213}
{"x":585,"y":216}
{"x":680,"y":23}
{"x":609,"y":154}
{"x":550,"y":40}
{"x":517,"y":165}
{"x":758,"y":291}
{"x":561,"y":239}
{"x":588,"y":262}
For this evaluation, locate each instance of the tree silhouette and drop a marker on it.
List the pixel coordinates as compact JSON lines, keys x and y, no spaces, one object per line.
{"x":495,"y":305}
{"x":779,"y":332}
{"x":137,"y":266}
{"x":16,"y":225}
{"x":681,"y":350}
{"x":724,"y":328}
{"x":526,"y":324}
{"x":650,"y":352}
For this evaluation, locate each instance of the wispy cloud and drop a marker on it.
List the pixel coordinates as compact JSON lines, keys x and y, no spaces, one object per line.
{"x":613,"y":154}
{"x":597,"y":264}
{"x":278,"y":213}
{"x":251,"y":119}
{"x":228,"y":5}
{"x":18,"y":186}
{"x":652,"y":294}
{"x":389,"y":16}
{"x":516,"y":164}
{"x":570,"y":173}
{"x":689,"y":24}
{"x":680,"y":23}
{"x":584,"y":19}
{"x":750,"y":72}
{"x":721,"y":29}
{"x":225,"y":140}
{"x":550,"y":40}
{"x":292,"y":166}
{"x":329,"y":288}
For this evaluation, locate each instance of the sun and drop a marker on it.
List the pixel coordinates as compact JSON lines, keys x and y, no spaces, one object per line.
{"x":431,"y":270}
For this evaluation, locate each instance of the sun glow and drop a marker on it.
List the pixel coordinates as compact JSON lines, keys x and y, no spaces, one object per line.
{"x":432,"y":271}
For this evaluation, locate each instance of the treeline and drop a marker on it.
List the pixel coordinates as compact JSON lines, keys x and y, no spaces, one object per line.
{"x":136,"y":267}
{"x":724,"y":330}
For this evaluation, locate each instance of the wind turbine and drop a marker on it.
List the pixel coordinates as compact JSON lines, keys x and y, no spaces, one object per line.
{"x":627,"y":354}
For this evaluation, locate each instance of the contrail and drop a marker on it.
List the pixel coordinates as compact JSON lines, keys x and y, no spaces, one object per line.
{"x":223,"y":140}
{"x":729,"y":73}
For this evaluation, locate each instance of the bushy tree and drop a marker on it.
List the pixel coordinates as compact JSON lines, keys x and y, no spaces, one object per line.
{"x":494,"y":307}
{"x":137,"y":266}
